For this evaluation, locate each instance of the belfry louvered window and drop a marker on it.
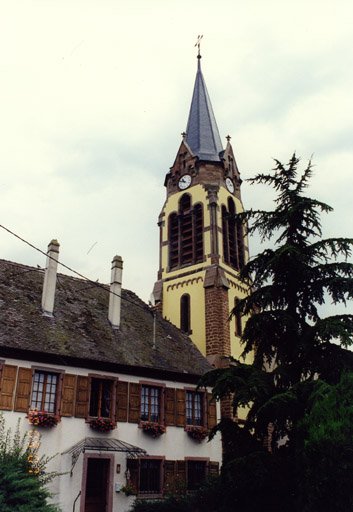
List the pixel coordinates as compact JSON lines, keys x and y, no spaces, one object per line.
{"x":233,"y":237}
{"x":186,"y":234}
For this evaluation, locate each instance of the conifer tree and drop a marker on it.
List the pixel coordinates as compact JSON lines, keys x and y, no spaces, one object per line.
{"x":23,"y":483}
{"x":296,"y":353}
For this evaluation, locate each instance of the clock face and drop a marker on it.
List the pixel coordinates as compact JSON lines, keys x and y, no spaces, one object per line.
{"x":230,"y":185}
{"x":184,"y":182}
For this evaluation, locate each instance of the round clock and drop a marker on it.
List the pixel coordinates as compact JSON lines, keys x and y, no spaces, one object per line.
{"x":184,"y":182}
{"x":230,"y":185}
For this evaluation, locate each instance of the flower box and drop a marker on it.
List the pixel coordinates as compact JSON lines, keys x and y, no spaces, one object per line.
{"x":152,"y":428}
{"x":101,"y":424}
{"x":129,"y":489}
{"x":43,"y":419}
{"x":198,"y":433}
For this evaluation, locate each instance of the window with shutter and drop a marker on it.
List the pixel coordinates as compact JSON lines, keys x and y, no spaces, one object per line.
{"x":82,"y":397}
{"x":122,"y":395}
{"x":194,"y":408}
{"x":169,"y":477}
{"x":211,"y":412}
{"x":134,"y":402}
{"x":196,"y":474}
{"x":101,"y":394}
{"x":44,"y":391}
{"x":170,"y":406}
{"x":23,"y":389}
{"x":150,"y":476}
{"x":7,"y":386}
{"x":68,"y":395}
{"x":150,"y":403}
{"x":180,"y":407}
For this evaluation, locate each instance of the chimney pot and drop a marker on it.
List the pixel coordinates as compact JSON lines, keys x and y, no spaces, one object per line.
{"x":48,"y":295}
{"x":115,"y":292}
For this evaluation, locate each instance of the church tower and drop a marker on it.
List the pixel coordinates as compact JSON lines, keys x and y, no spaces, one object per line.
{"x":202,"y":247}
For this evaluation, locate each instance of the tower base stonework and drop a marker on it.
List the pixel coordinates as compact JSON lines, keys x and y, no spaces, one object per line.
{"x":217,"y":315}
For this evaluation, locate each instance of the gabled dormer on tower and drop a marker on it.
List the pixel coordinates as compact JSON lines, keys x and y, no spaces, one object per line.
{"x":202,"y":247}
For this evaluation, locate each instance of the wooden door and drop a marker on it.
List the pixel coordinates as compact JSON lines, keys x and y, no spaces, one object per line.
{"x":97,"y":482}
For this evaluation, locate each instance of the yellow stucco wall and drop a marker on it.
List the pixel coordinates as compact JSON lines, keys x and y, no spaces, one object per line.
{"x":172,"y":293}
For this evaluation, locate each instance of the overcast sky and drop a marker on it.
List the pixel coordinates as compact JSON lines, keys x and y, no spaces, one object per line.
{"x":95,"y":94}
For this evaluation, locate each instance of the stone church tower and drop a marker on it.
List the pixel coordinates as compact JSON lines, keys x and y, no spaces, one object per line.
{"x":202,"y":247}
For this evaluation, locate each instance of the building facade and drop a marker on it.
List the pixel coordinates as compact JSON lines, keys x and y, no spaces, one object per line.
{"x":108,"y":383}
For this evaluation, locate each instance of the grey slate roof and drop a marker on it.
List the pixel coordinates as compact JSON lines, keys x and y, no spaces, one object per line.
{"x":202,"y":134}
{"x":80,"y":328}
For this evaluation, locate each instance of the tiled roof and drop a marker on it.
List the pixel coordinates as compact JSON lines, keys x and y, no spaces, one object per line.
{"x":80,"y":328}
{"x":202,"y":134}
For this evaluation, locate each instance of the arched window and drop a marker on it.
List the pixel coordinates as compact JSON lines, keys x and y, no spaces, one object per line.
{"x":198,"y":233}
{"x":233,"y":237}
{"x":238,"y":325}
{"x":185,"y":313}
{"x":186,"y":234}
{"x":173,"y":240}
{"x":186,"y":230}
{"x":225,"y":235}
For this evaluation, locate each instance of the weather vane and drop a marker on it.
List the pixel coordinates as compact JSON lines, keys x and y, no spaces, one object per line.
{"x":198,"y":42}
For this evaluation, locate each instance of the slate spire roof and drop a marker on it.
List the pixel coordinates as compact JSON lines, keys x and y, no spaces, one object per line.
{"x":202,"y":134}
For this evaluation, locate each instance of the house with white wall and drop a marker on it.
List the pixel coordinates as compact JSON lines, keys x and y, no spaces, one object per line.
{"x":111,"y":385}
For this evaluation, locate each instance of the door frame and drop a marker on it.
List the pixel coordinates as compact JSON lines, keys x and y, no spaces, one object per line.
{"x":87,"y":456}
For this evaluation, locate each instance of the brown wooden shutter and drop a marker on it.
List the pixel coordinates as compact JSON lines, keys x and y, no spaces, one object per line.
{"x":122,"y":395}
{"x":180,"y":407}
{"x":170,"y":406}
{"x":133,"y":466}
{"x":82,"y":397}
{"x":134,"y":402}
{"x":213,"y":468}
{"x":23,"y":391}
{"x":7,"y":386}
{"x":181,"y":480}
{"x":169,"y":476}
{"x":211,"y":411}
{"x":67,"y":407}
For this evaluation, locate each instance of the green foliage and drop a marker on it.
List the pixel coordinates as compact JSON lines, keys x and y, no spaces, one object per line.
{"x":169,"y":504}
{"x":326,"y":436}
{"x":294,"y":383}
{"x":22,"y":483}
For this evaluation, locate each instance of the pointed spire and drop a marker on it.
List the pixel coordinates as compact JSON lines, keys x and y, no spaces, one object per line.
{"x":202,"y":134}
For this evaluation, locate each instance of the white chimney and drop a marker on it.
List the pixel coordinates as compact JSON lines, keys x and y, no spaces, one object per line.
{"x":115,"y":292}
{"x":49,"y":285}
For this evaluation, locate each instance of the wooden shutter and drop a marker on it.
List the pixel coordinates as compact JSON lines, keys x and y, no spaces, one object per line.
{"x":211,"y":411}
{"x":213,"y":468}
{"x":67,"y":407}
{"x":7,"y":386}
{"x":134,"y":403}
{"x":82,"y":397}
{"x":23,"y":391}
{"x":181,"y":481}
{"x":180,"y":407}
{"x":169,"y":476}
{"x":169,"y":406}
{"x":133,"y":466}
{"x":122,"y":394}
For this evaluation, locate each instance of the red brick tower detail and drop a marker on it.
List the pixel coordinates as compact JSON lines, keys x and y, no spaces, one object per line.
{"x":217,"y":315}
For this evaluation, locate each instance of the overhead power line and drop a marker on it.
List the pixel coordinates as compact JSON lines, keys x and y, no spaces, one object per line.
{"x":93,"y":283}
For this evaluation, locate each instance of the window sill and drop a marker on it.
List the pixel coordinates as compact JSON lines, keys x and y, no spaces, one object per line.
{"x":143,"y":496}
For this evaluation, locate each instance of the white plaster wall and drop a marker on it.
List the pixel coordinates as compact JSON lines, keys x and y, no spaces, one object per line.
{"x":175,"y":444}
